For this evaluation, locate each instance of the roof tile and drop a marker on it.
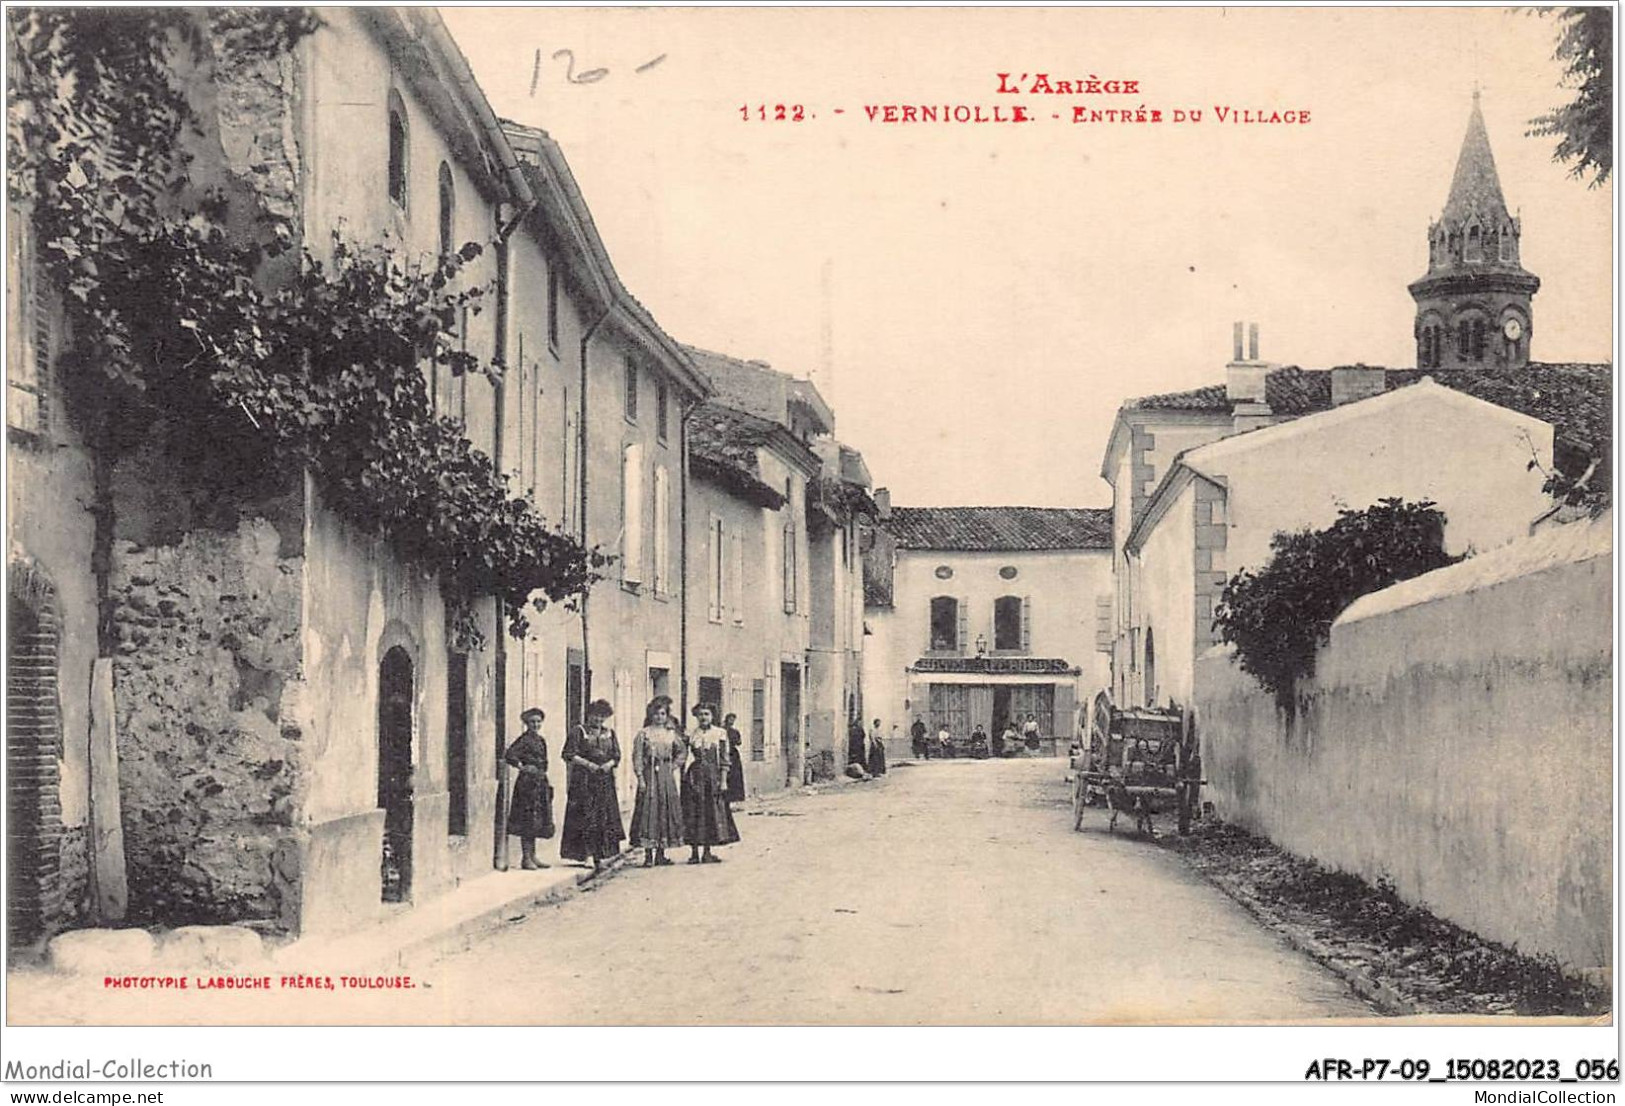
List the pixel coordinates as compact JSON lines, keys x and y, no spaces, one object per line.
{"x":991,"y":529}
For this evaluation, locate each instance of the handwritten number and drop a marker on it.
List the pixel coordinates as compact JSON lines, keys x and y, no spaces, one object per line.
{"x":589,"y":77}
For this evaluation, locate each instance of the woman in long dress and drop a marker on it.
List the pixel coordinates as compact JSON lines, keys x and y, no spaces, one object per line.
{"x":592,"y":815}
{"x":657,"y":814}
{"x":530,"y":814}
{"x":707,"y":821}
{"x":877,"y":751}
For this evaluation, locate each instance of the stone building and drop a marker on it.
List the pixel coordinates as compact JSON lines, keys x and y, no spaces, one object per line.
{"x":275,"y":726}
{"x":1201,"y":479}
{"x":981,"y":615}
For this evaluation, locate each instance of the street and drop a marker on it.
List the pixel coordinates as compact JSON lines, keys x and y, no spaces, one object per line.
{"x":944,"y":893}
{"x":949,"y":892}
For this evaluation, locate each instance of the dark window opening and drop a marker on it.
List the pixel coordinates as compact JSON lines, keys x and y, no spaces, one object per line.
{"x":397,"y":155}
{"x":1007,"y":622}
{"x":662,"y":400}
{"x":553,"y":306}
{"x":395,"y":773}
{"x":457,"y":744}
{"x":944,"y":623}
{"x":631,"y":392}
{"x":448,"y":204}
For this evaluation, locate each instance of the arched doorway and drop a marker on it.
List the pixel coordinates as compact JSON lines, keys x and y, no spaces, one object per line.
{"x":395,"y":772}
{"x":33,"y":749}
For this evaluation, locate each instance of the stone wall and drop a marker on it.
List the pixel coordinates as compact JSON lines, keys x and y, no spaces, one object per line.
{"x":207,"y":686}
{"x":1455,"y":739}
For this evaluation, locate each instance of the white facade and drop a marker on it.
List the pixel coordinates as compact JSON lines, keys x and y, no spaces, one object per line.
{"x":1051,"y":602}
{"x":1220,"y":507}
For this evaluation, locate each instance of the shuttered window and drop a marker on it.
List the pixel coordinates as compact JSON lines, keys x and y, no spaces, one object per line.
{"x":758,"y":720}
{"x":662,"y":525}
{"x":736,"y":581}
{"x":632,"y":513}
{"x":790,"y":568}
{"x":964,"y":624}
{"x":714,"y":569}
{"x":29,"y":365}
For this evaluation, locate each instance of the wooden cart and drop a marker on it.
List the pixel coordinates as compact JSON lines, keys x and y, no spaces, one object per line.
{"x":1141,"y":762}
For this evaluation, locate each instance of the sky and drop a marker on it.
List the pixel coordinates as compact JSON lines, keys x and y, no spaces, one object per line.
{"x":976,"y":300}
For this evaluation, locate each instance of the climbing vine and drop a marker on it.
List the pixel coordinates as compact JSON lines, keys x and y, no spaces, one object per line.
{"x":1280,"y":615}
{"x":191,"y":321}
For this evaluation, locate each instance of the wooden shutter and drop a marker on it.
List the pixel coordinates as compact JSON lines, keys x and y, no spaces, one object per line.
{"x":736,"y":592}
{"x":1103,"y":624}
{"x":1026,"y":624}
{"x":713,"y":567}
{"x":28,"y":374}
{"x":964,"y":619}
{"x":1064,"y":727}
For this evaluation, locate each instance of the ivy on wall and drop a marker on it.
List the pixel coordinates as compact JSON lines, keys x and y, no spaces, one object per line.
{"x":1279,"y":616}
{"x":190,"y":318}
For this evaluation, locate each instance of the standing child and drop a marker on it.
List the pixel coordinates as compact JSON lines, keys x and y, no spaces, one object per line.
{"x":530,"y":814}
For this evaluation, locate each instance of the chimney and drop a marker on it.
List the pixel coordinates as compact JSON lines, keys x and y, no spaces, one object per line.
{"x":882,"y":498}
{"x":1351,"y":383}
{"x":1244,"y":382}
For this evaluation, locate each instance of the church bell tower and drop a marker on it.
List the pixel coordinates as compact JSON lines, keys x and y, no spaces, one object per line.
{"x":1473,"y":307}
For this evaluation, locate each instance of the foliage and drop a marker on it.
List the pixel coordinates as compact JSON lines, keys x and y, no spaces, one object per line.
{"x":1584,"y":126}
{"x":1280,"y":615}
{"x":1577,"y":400}
{"x":251,"y":363}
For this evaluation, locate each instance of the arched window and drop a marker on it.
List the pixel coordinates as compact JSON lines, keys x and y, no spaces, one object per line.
{"x":1478,"y":339}
{"x":448,"y":211}
{"x":1464,"y":339}
{"x":1007,"y":622}
{"x":1475,"y":244}
{"x":944,"y":623}
{"x":397,"y":150}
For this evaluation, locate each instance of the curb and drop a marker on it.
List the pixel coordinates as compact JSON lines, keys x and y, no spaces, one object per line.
{"x":458,"y":934}
{"x":1388,"y":1001}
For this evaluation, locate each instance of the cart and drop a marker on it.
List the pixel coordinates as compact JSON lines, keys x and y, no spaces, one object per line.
{"x":1140,"y":762}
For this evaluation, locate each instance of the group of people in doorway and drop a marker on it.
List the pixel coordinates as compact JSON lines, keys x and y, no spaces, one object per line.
{"x":686,"y":783}
{"x":1008,"y":739}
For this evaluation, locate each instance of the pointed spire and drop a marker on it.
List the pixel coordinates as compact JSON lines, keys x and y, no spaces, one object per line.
{"x":1476,"y":187}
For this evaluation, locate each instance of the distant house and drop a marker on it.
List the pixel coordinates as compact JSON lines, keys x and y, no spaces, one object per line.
{"x":982,"y":615}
